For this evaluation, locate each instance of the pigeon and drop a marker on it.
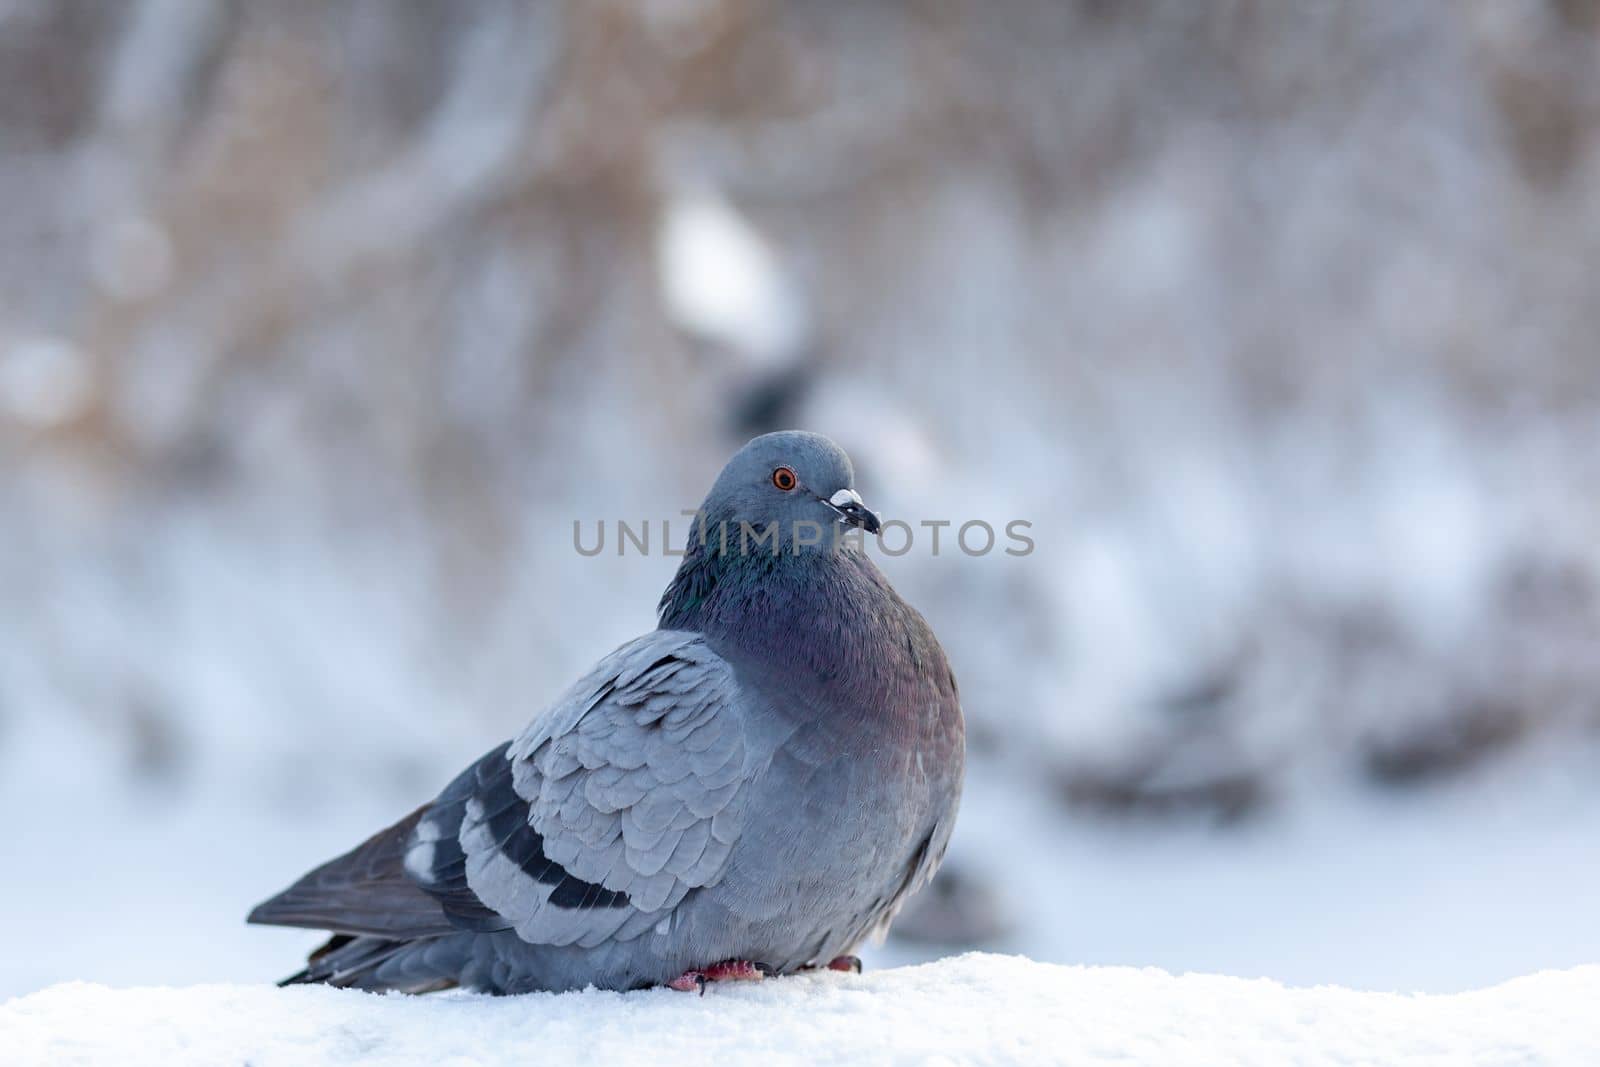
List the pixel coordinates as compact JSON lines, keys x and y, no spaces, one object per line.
{"x":752,"y":789}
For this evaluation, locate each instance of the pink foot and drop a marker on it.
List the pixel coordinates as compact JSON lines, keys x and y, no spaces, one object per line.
{"x":688,"y":982}
{"x":726,"y":971}
{"x":838,"y":963}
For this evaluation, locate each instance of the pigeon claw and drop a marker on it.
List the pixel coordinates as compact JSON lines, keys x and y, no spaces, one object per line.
{"x":845,"y":963}
{"x":689,"y":982}
{"x":726,"y":971}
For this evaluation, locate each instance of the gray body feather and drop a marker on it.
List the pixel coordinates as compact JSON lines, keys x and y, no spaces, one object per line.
{"x":765,"y":778}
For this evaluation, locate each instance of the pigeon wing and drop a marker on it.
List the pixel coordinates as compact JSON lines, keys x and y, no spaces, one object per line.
{"x":605,"y":813}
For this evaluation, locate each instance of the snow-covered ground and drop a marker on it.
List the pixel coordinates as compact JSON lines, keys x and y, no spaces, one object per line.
{"x":1440,"y":890}
{"x":310,"y":356}
{"x":971,"y":1009}
{"x":1443,"y":889}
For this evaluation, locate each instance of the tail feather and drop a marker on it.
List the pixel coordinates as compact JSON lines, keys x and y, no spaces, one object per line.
{"x":355,"y":962}
{"x":365,"y":891}
{"x":388,"y":933}
{"x":304,"y":976}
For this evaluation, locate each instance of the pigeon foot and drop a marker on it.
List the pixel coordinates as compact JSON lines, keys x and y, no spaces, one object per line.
{"x":726,"y":971}
{"x":851,"y":964}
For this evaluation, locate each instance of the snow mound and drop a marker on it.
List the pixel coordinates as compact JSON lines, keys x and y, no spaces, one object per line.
{"x":970,"y":1009}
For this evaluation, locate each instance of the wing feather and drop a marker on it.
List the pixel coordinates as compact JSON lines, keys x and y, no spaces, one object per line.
{"x":606,"y":812}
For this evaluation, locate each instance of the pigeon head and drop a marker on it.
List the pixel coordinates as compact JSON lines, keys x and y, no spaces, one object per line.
{"x":800,"y":483}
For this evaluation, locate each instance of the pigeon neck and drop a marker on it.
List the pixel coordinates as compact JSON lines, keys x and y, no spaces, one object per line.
{"x":725,"y":593}
{"x":775,"y":605}
{"x":819,"y":629}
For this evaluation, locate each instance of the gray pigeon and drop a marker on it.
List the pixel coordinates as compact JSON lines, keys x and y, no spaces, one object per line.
{"x":754,"y":788}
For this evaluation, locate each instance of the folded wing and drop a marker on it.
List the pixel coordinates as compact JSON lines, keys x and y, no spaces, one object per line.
{"x":605,"y":813}
{"x":594,"y":824}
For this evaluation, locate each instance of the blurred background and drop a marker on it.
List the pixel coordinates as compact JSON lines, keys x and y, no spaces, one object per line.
{"x":321,"y":324}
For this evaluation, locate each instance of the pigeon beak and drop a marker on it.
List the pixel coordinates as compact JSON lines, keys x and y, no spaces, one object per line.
{"x":852,"y":512}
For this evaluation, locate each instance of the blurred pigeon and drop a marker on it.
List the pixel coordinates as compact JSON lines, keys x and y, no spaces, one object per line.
{"x":754,"y":788}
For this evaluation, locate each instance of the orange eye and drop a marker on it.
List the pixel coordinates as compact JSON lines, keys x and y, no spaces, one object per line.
{"x":784,"y":479}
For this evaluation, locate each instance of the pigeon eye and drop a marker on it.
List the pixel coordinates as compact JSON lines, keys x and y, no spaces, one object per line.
{"x":784,"y":479}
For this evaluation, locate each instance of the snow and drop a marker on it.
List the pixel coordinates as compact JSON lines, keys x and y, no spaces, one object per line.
{"x":1441,"y":890}
{"x":723,"y":282}
{"x":44,"y":381}
{"x":973,"y":1009}
{"x":303,"y":382}
{"x":1343,"y":887}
